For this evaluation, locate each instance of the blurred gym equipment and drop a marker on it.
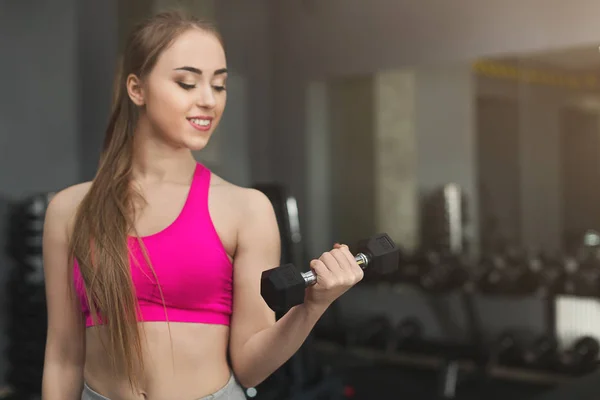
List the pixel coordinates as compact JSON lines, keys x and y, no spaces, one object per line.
{"x":580,"y":358}
{"x":444,"y":273}
{"x":27,"y":321}
{"x":582,"y":276}
{"x":542,"y":353}
{"x":512,"y":273}
{"x":374,"y":332}
{"x":444,"y":220}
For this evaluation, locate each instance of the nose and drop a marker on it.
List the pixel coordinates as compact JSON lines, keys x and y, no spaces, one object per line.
{"x":206,"y":97}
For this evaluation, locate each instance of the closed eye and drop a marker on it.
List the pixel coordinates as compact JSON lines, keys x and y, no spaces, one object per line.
{"x":186,"y":86}
{"x":189,"y":87}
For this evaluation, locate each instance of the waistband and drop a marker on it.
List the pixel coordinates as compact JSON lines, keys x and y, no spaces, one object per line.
{"x":231,"y":391}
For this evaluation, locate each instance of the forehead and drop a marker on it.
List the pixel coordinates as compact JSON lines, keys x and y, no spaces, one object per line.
{"x":193,"y":48}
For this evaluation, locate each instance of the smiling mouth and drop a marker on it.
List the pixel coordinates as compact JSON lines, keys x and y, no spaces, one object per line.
{"x":201,"y":124}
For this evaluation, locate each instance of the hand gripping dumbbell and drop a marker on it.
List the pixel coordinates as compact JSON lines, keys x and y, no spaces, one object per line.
{"x":283,"y":287}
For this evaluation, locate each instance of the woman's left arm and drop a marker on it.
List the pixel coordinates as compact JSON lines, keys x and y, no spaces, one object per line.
{"x":258,"y":344}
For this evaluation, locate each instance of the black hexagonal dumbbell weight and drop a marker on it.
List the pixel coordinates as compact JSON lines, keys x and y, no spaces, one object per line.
{"x":283,"y":287}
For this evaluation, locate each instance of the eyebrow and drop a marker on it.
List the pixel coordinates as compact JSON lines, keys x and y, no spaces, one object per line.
{"x":199,"y":72}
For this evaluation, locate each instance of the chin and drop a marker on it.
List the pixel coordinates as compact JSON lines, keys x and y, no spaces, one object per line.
{"x":196,"y":144}
{"x":196,"y":148}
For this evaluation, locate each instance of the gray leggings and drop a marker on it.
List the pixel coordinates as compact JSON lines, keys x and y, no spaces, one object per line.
{"x":231,"y":391}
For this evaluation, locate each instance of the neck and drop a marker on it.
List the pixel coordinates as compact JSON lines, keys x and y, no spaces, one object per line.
{"x":155,"y":160}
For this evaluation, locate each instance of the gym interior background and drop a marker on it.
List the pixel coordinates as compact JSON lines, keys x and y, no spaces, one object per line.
{"x":468,"y":131}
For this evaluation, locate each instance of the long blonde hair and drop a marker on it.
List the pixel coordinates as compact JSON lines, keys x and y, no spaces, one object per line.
{"x":105,"y":216}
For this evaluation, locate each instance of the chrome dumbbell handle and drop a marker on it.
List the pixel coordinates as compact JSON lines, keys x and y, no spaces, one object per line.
{"x":362,"y":259}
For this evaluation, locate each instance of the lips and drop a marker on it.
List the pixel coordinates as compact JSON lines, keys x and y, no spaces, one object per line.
{"x":201,"y":123}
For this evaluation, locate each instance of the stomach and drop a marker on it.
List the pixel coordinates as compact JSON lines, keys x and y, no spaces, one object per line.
{"x":190,"y":363}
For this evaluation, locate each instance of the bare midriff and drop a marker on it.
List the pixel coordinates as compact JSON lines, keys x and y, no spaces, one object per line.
{"x":188,"y":363}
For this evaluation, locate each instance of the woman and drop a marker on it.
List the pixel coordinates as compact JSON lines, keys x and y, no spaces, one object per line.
{"x":153,"y":268}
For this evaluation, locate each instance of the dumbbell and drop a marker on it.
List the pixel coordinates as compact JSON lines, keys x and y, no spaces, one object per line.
{"x":284,"y":287}
{"x":507,"y":275}
{"x":506,"y":350}
{"x":407,"y":333}
{"x":542,"y":352}
{"x":581,"y":357}
{"x":412,"y":267}
{"x":492,"y":274}
{"x":582,"y":277}
{"x":373,"y":332}
{"x":550,"y":277}
{"x":450,"y":273}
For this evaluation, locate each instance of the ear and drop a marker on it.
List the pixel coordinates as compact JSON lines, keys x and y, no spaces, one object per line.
{"x":135,"y":90}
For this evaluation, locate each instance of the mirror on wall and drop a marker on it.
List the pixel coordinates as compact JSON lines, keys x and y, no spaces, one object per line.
{"x":538,"y":148}
{"x":519,"y":135}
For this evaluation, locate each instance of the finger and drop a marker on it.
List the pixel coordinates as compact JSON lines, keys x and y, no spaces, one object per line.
{"x":356,"y":269}
{"x":330,"y":262}
{"x":347,"y":275}
{"x":345,"y":251}
{"x":339,"y":275}
{"x":342,"y":260}
{"x":322,"y":273}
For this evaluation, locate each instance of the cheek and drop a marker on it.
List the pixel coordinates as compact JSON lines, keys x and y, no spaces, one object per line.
{"x":169,"y":99}
{"x":167,"y":105}
{"x":220,"y":104}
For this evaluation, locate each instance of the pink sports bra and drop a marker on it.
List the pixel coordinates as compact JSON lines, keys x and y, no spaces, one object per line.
{"x":192,"y":266}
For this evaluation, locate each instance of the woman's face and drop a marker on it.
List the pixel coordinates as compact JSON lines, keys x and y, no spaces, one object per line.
{"x":184,"y":95}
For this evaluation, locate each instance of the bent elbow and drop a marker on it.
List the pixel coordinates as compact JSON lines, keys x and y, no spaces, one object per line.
{"x":246,"y":377}
{"x":248,"y":382}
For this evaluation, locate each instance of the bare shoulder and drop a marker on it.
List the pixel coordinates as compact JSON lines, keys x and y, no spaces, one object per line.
{"x":64,"y":204}
{"x":249,"y":203}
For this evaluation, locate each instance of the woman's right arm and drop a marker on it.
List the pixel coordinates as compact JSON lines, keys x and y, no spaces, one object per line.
{"x":65,"y":344}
